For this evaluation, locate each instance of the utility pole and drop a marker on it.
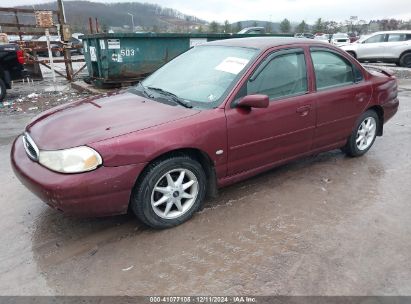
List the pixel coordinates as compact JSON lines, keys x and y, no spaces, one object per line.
{"x":132,"y":20}
{"x":66,"y":51}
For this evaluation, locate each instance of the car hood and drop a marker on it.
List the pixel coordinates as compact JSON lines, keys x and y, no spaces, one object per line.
{"x":98,"y":118}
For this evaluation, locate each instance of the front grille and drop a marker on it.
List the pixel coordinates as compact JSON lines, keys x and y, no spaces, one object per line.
{"x":30,"y":147}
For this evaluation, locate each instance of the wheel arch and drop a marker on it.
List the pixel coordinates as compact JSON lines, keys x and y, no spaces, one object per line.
{"x":200,"y":156}
{"x":403,"y":53}
{"x":380,"y":112}
{"x":352,"y":53}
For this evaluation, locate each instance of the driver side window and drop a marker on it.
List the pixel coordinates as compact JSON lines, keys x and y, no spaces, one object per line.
{"x":285,"y":75}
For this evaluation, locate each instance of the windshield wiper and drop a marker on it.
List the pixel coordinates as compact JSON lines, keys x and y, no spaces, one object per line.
{"x":173,"y":96}
{"x":145,"y":91}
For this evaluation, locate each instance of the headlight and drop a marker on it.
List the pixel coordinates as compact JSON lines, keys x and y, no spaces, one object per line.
{"x":74,"y":160}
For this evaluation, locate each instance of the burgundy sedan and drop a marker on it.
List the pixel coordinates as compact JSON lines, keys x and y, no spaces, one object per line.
{"x":217,"y":114}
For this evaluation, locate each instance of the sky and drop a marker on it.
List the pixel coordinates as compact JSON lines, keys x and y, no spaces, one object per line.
{"x":277,"y":10}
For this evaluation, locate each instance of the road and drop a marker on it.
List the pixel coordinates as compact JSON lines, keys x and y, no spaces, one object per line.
{"x":326,"y":225}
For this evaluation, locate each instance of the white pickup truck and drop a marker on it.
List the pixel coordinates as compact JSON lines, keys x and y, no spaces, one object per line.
{"x":389,"y":46}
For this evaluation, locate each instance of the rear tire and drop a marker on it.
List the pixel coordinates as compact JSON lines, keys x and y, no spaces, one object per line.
{"x":2,"y":90}
{"x":364,"y":134}
{"x":169,"y":192}
{"x":405,"y":60}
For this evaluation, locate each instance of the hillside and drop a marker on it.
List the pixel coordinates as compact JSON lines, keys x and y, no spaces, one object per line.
{"x":148,"y":17}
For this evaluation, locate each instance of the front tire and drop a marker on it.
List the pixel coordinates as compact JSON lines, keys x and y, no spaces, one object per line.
{"x":364,"y":134}
{"x":169,"y":192}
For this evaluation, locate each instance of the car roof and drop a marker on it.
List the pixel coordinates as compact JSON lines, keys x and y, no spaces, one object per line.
{"x":393,"y":32}
{"x":261,"y":43}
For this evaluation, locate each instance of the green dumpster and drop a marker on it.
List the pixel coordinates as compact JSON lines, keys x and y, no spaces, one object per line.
{"x":116,"y":59}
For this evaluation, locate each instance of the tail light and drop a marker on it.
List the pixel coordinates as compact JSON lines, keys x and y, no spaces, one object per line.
{"x":20,"y":56}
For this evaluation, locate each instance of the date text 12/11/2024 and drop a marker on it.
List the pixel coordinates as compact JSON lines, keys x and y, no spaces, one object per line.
{"x":203,"y":299}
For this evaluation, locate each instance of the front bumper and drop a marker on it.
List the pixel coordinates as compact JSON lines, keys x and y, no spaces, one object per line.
{"x":102,"y":192}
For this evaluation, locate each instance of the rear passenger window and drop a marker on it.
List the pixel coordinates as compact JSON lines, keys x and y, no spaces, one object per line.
{"x":284,"y":75}
{"x":331,"y":70}
{"x":396,"y":37}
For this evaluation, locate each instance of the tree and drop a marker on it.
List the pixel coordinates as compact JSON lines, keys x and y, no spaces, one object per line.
{"x":214,"y":27}
{"x":331,"y":27}
{"x":200,"y":29}
{"x":285,"y":26}
{"x":318,"y":26}
{"x":227,"y":27}
{"x":302,"y":27}
{"x":406,"y":25}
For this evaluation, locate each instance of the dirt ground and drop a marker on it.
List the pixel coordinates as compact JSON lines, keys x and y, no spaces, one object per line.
{"x":37,"y":96}
{"x":326,"y":225}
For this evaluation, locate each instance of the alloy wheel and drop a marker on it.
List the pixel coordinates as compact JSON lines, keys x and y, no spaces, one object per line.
{"x":366,"y":133}
{"x":174,"y":193}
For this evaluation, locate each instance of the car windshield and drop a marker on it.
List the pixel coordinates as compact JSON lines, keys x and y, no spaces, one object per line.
{"x":202,"y":76}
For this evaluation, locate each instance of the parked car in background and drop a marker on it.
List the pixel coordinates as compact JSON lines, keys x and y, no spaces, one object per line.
{"x":304,"y":35}
{"x":324,"y":37}
{"x":77,"y":46}
{"x":252,"y":30}
{"x":339,"y":39}
{"x":77,"y":43}
{"x":353,"y":37}
{"x":77,"y":35}
{"x":11,"y":66}
{"x":217,"y":114}
{"x":15,"y":38}
{"x":57,"y":46}
{"x":388,"y":46}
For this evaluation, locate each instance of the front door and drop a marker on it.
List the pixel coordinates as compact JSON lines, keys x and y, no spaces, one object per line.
{"x":257,"y":137}
{"x":372,"y":48}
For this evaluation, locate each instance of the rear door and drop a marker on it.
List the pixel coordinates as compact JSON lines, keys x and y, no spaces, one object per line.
{"x":395,"y":45}
{"x":257,"y":137}
{"x":342,"y":94}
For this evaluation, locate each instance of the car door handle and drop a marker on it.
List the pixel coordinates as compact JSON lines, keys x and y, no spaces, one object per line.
{"x":304,"y":110}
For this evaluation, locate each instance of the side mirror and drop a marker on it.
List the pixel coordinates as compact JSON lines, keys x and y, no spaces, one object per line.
{"x":254,"y":101}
